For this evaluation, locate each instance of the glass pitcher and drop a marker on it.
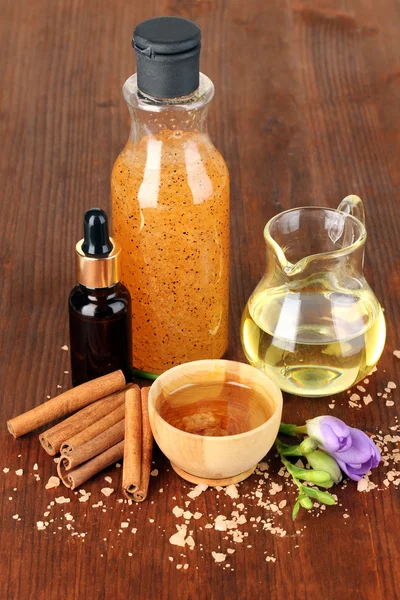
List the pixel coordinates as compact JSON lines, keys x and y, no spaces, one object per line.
{"x":313,"y":323}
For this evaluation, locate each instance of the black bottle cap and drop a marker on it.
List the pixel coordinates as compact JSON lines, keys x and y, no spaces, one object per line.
{"x":95,"y":226}
{"x":167,"y":55}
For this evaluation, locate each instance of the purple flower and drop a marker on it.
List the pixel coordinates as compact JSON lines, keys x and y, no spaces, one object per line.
{"x":352,"y":449}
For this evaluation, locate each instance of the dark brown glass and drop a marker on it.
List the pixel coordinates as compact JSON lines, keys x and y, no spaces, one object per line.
{"x":100,"y":332}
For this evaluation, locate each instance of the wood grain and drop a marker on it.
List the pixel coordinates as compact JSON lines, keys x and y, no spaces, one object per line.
{"x":305,"y":112}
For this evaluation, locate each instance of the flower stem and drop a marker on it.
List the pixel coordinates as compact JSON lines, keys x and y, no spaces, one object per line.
{"x":144,"y":375}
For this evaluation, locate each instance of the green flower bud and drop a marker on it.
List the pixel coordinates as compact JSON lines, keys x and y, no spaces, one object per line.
{"x":307,"y":445}
{"x":306,"y":502}
{"x":323,"y":462}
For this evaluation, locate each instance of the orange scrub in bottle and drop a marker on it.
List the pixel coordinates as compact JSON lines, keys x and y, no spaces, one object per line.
{"x":170,"y":202}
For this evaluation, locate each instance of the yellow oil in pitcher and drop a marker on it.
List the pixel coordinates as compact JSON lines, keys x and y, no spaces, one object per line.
{"x":313,"y":343}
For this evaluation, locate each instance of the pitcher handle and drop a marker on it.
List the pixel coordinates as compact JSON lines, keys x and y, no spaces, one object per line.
{"x":353,"y":205}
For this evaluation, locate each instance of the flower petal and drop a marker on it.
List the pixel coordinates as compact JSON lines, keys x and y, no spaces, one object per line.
{"x":361,"y":450}
{"x":354,"y":473}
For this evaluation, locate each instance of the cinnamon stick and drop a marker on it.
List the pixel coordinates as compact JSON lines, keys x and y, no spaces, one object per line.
{"x":66,"y":403}
{"x":52,"y":439}
{"x":75,"y":478}
{"x":147,"y":448}
{"x":133,"y":442}
{"x":93,"y":447}
{"x":92,"y":430}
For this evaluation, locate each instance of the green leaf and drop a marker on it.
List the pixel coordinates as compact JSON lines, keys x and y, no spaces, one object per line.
{"x":308,"y":474}
{"x":287,"y":450}
{"x":295,"y":510}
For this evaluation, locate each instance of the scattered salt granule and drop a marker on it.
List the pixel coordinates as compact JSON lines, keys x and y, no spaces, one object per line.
{"x":331,"y":406}
{"x":186,"y":566}
{"x":396,"y":353}
{"x":65,"y":347}
{"x":232,"y":491}
{"x":389,"y":403}
{"x":40,"y":525}
{"x":196,"y":491}
{"x":367,"y":399}
{"x":391,"y":385}
{"x":187,"y":515}
{"x":220,"y":523}
{"x":124,"y":525}
{"x":118,"y":465}
{"x":263,"y":466}
{"x":67,"y":516}
{"x":275,"y":488}
{"x":108,"y":479}
{"x":151,"y":520}
{"x":62,"y":500}
{"x":179,"y":567}
{"x":59,"y":386}
{"x":134,"y":530}
{"x":5,"y":470}
{"x":84,"y":496}
{"x":197,"y":515}
{"x":35,"y":467}
{"x":56,"y":460}
{"x":178,"y":538}
{"x":346,"y":516}
{"x":52,"y":483}
{"x":154,"y":472}
{"x":36,"y":476}
{"x":15,"y":517}
{"x":19,"y":472}
{"x":218,"y":556}
{"x":178,"y":512}
{"x":361,"y":389}
{"x":365,"y":485}
{"x":107,"y":491}
{"x":130,"y":554}
{"x":355,"y":397}
{"x":282,"y":503}
{"x":270,"y":558}
{"x":190,"y":542}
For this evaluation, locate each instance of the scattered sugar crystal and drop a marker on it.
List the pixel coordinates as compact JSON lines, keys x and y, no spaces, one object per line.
{"x":154,"y":472}
{"x":65,"y":348}
{"x":178,"y":512}
{"x":218,"y":556}
{"x":107,"y":491}
{"x":108,"y":479}
{"x":62,"y":500}
{"x":52,"y":483}
{"x":5,"y":470}
{"x":40,"y":525}
{"x":232,"y":491}
{"x":197,"y":490}
{"x":19,"y":472}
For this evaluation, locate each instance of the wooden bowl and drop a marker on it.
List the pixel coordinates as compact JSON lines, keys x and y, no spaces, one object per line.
{"x":207,"y":459}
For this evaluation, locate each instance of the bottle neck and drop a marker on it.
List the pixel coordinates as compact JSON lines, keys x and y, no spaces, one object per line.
{"x":100,"y":294}
{"x":153,"y":117}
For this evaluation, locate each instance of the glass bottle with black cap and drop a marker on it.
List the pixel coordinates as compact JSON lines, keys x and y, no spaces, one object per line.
{"x":170,"y":203}
{"x":99,"y":305}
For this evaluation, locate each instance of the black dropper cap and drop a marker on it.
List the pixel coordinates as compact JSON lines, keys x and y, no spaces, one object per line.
{"x":167,"y":55}
{"x":95,"y":226}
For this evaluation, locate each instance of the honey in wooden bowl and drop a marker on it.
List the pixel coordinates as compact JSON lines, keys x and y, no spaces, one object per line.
{"x":215,"y":409}
{"x":214,"y":419}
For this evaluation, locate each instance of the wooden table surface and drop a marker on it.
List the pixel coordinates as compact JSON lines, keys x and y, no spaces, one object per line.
{"x":306,"y":111}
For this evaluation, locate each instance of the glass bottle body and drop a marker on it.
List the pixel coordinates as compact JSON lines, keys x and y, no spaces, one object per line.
{"x":313,"y":323}
{"x":170,"y":203}
{"x":100,"y":332}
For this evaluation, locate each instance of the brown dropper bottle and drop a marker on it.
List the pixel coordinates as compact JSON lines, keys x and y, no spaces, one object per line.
{"x":99,"y":305}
